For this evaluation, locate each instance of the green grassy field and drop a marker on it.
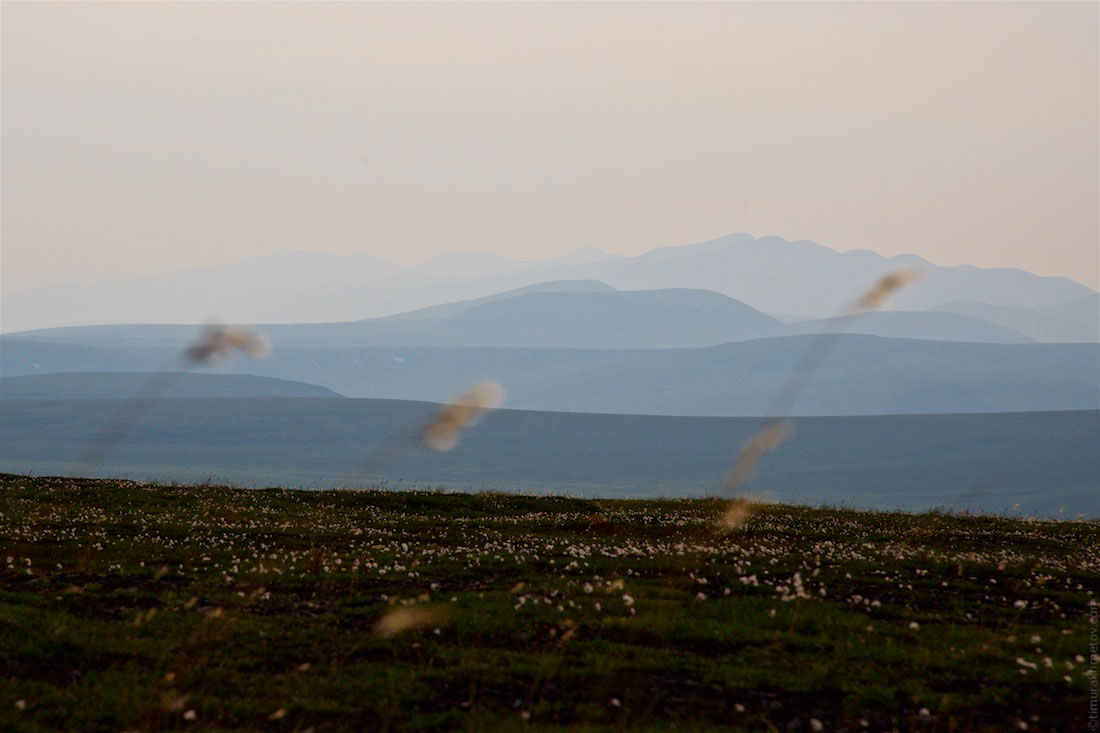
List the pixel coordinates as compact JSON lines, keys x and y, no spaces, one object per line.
{"x":139,"y":607}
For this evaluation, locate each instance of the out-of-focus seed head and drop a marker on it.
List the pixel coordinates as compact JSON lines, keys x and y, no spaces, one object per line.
{"x":739,"y":511}
{"x":405,"y":618}
{"x":218,"y":342}
{"x":767,"y":439}
{"x":445,"y":430}
{"x":877,"y":295}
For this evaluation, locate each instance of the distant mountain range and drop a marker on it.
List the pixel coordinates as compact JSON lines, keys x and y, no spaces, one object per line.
{"x":583,"y":314}
{"x":862,"y":374}
{"x":644,"y":368}
{"x":768,"y":274}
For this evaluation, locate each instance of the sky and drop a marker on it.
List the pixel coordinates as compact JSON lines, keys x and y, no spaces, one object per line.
{"x":144,"y":137}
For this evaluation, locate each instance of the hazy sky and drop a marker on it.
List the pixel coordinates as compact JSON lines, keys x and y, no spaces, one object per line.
{"x":139,"y":137}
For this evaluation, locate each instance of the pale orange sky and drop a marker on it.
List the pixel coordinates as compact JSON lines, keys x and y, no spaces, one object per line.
{"x":139,"y":137}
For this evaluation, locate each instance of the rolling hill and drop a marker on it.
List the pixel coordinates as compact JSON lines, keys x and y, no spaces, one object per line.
{"x":99,"y":385}
{"x":565,"y":314}
{"x":1075,"y":321}
{"x":927,"y":325}
{"x":862,"y":374}
{"x":583,"y":320}
{"x":1037,"y":462}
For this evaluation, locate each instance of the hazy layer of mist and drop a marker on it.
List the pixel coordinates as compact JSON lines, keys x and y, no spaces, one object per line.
{"x":140,"y":137}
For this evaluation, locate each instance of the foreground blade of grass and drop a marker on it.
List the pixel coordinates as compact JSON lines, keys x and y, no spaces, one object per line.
{"x":777,"y":428}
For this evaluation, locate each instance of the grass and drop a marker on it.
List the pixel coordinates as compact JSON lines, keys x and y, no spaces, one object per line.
{"x":126,"y":606}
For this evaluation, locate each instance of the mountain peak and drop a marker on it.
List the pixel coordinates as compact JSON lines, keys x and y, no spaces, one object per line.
{"x":589,"y":252}
{"x":464,"y":264}
{"x":586,"y":255}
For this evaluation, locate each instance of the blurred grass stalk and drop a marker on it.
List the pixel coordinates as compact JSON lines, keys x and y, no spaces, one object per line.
{"x":778,"y":428}
{"x":214,"y":345}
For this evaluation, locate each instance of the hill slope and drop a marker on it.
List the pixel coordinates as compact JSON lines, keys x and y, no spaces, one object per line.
{"x":554,"y":286}
{"x":1042,"y":461}
{"x":862,"y":374}
{"x":1075,"y":321}
{"x":927,"y":325}
{"x":565,"y":314}
{"x":604,"y":320}
{"x":99,"y":385}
